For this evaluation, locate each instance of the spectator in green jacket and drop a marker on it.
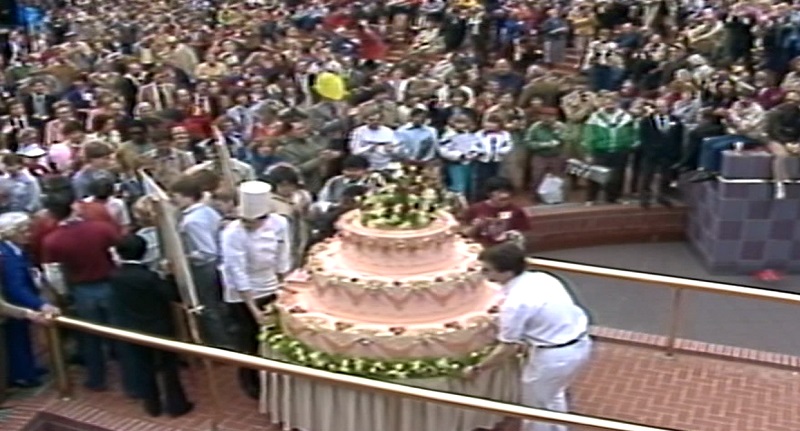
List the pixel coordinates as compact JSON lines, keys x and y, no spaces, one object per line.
{"x":609,"y":136}
{"x":546,"y":145}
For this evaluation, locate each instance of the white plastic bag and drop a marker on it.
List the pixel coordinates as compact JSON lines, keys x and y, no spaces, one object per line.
{"x":551,"y":190}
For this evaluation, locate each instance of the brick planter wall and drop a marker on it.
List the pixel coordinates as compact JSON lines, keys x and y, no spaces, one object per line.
{"x":554,"y":228}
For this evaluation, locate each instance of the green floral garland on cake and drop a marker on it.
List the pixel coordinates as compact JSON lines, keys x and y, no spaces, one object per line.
{"x":406,"y":197}
{"x":298,"y":353}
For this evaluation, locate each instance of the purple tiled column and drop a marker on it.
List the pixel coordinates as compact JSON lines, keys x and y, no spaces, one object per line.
{"x":739,"y":227}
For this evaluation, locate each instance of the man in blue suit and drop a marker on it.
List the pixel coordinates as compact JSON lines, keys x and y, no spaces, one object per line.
{"x":20,"y":289}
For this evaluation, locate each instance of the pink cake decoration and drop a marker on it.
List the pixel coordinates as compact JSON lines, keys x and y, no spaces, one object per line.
{"x":393,"y":294}
{"x":452,"y":339}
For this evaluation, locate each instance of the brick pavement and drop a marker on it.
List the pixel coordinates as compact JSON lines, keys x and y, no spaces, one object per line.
{"x":114,"y":411}
{"x":627,"y":383}
{"x":687,"y":392}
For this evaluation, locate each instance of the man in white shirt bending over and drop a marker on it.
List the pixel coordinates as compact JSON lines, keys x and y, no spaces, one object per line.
{"x":256,"y":254}
{"x":539,"y":313}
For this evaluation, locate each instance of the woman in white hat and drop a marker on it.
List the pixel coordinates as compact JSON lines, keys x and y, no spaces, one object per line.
{"x":256,"y":253}
{"x":32,"y":153}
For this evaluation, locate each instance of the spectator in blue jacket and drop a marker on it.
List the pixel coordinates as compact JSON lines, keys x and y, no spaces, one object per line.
{"x":20,"y":289}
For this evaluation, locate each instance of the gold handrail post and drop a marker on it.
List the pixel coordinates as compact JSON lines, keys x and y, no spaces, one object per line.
{"x":676,"y":314}
{"x":208,"y":365}
{"x":58,"y":361}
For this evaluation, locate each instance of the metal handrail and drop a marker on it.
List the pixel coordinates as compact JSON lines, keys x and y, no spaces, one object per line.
{"x":360,"y":383}
{"x":667,"y":280}
{"x":679,"y":284}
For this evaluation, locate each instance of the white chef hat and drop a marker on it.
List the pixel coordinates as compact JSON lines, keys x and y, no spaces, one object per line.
{"x":255,"y":200}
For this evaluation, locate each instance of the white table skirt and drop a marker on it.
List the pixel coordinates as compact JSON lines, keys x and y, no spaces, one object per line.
{"x":316,"y":406}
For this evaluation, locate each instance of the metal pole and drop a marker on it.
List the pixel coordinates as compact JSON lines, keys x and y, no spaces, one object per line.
{"x":668,"y":281}
{"x":194,"y":334}
{"x":676,"y":315}
{"x":58,"y":362}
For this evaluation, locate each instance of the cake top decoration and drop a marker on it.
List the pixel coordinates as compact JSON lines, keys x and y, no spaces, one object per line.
{"x":408,"y":196}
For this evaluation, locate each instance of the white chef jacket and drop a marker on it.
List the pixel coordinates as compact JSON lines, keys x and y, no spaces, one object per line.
{"x":539,"y":311}
{"x":252,"y":260}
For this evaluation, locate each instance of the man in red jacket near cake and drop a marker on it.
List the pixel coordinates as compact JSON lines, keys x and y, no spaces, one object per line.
{"x":497,"y":219}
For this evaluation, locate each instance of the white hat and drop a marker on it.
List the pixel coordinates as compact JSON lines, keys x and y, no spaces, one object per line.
{"x":33,"y":151}
{"x":255,"y":200}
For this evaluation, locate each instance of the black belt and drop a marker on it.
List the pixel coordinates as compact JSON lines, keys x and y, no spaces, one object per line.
{"x":558,"y":346}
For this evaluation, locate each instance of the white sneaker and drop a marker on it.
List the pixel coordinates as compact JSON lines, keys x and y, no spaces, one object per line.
{"x":780,"y":190}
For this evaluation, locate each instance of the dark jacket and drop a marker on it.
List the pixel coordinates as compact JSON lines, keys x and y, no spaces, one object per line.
{"x":141,"y":300}
{"x":695,"y":142}
{"x":783,"y":124}
{"x":48,"y":102}
{"x":661,"y":143}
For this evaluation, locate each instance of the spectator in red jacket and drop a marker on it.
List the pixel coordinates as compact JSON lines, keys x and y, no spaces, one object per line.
{"x":76,"y":259}
{"x":371,"y":47}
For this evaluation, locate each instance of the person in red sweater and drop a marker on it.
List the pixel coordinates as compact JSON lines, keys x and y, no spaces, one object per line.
{"x":43,"y":223}
{"x":76,"y":260}
{"x":371,"y":47}
{"x":336,"y":18}
{"x":497,"y":219}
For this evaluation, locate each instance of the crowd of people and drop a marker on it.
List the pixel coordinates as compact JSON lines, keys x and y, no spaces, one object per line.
{"x":300,"y":100}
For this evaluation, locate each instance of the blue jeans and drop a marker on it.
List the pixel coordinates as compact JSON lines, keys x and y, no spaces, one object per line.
{"x":480,"y":173}
{"x":91,"y":301}
{"x":712,"y":148}
{"x":460,"y":178}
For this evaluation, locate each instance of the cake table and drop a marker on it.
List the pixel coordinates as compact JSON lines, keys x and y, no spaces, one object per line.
{"x":297,"y":403}
{"x":398,"y":295}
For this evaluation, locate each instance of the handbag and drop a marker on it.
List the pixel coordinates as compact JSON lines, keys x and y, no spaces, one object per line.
{"x":595,"y":173}
{"x":551,"y":190}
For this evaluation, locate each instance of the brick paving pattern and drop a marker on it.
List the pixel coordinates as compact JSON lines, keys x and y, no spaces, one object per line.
{"x":113,"y":410}
{"x":687,"y":392}
{"x":626,"y":383}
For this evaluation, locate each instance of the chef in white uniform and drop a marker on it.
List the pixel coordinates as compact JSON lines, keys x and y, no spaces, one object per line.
{"x":538,"y":312}
{"x":256,"y":254}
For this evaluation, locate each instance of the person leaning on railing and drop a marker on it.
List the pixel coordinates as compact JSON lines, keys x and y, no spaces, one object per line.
{"x":13,"y":312}
{"x":20,"y":286}
{"x":84,"y":276}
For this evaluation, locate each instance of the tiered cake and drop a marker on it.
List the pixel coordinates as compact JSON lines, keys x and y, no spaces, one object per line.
{"x":395,"y":303}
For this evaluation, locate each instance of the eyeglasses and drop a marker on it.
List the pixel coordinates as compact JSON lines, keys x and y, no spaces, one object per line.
{"x":253,"y":220}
